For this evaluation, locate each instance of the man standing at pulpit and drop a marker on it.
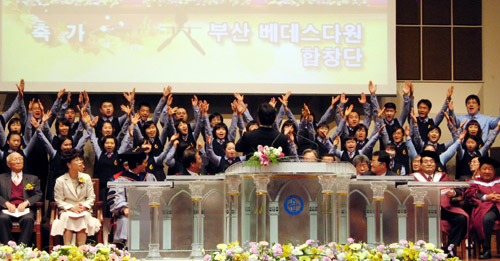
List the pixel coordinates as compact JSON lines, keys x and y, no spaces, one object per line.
{"x":484,"y":192}
{"x":456,"y":218}
{"x":18,"y":191}
{"x":117,"y":197}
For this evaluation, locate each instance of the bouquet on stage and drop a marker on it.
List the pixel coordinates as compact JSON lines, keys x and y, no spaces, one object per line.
{"x":265,"y":155}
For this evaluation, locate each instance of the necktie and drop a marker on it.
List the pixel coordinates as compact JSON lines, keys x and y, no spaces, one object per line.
{"x":109,"y":155}
{"x":17,"y":179}
{"x":230,"y":161}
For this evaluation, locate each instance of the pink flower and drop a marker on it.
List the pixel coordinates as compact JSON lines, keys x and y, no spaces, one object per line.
{"x":113,"y":257}
{"x":331,"y":244}
{"x":403,"y":242}
{"x":12,"y":243}
{"x":282,"y":155}
{"x":350,"y":240}
{"x":254,"y":251}
{"x":310,"y":242}
{"x":32,"y":255}
{"x":56,"y":248}
{"x":322,"y":247}
{"x":260,"y":148}
{"x":207,"y":258}
{"x":93,"y":250}
{"x":63,"y":258}
{"x":420,"y":242}
{"x":251,"y":244}
{"x":84,"y":248}
{"x":380,"y":248}
{"x":112,"y":246}
{"x":326,"y":259}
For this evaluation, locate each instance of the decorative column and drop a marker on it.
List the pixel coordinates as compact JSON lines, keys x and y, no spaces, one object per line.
{"x":402,"y":215}
{"x":327,"y":183}
{"x":196,"y":197}
{"x":154,"y":195}
{"x":233,"y":191}
{"x":274,"y":211}
{"x":167,"y":227}
{"x":432,"y":215}
{"x":260,"y":182}
{"x":313,"y":219}
{"x":342,"y":185}
{"x":419,"y":202}
{"x":378,"y":189}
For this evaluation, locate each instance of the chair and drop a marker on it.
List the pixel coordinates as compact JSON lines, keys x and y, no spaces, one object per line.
{"x":96,"y":212}
{"x":37,"y":228}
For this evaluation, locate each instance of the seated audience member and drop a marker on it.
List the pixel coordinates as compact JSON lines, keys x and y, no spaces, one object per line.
{"x":309,"y":155}
{"x":484,"y":192}
{"x":265,"y":134}
{"x":74,"y":196}
{"x":117,"y":197}
{"x":457,"y":218}
{"x":192,"y":163}
{"x":362,"y":164}
{"x":416,"y":164}
{"x":18,"y":191}
{"x":474,"y":168}
{"x":394,"y":152}
{"x":380,"y":165}
{"x":328,"y":158}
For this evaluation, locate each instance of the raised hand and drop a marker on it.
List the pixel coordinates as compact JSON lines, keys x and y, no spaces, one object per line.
{"x":462,"y":124}
{"x":85,"y":117}
{"x":61,"y":93}
{"x":335,"y":99}
{"x":406,"y":88}
{"x":462,"y":135}
{"x":341,"y":113}
{"x":30,"y":105}
{"x":126,"y":109}
{"x":129,"y":96}
{"x":234,"y":106}
{"x":305,"y":111}
{"x":135,"y":119}
{"x":86,"y":96}
{"x":372,"y":88}
{"x":80,"y":98}
{"x":273,"y":102}
{"x":166,"y":92}
{"x":170,"y":99}
{"x":343,"y":98}
{"x":407,"y":131}
{"x":381,"y":129}
{"x":348,"y":111}
{"x":68,"y":98}
{"x":413,"y":118}
{"x":208,"y":139}
{"x":20,"y":88}
{"x":171,"y":111}
{"x":175,"y":139}
{"x":239,"y":97}
{"x":336,"y":142}
{"x":130,"y":132}
{"x":46,"y":116}
{"x":34,"y":123}
{"x":380,"y":112}
{"x":41,"y":105}
{"x":241,"y":108}
{"x":450,"y":92}
{"x":93,"y":122}
{"x":362,"y":100}
{"x":450,"y":105}
{"x":194,"y":101}
{"x":284,"y":99}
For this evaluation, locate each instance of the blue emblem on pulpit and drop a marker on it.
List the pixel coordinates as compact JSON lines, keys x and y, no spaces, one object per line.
{"x":294,"y":205}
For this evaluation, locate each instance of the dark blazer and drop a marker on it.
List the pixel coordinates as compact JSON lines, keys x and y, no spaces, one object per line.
{"x":32,"y":196}
{"x":262,"y":136}
{"x":388,"y":173}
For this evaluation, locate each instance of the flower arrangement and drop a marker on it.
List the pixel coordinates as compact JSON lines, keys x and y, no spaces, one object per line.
{"x":265,"y":155}
{"x":29,"y":186}
{"x":99,"y":252}
{"x":81,"y":181}
{"x":312,"y":251}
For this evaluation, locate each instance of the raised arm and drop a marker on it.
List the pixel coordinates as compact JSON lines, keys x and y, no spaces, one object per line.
{"x":490,"y":140}
{"x":161,"y":104}
{"x":406,"y":106}
{"x":15,"y":106}
{"x":371,"y":142}
{"x":366,"y":110}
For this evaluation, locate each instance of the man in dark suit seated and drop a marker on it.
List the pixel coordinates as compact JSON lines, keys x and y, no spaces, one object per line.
{"x":18,"y":191}
{"x":380,"y":164}
{"x":265,"y":134}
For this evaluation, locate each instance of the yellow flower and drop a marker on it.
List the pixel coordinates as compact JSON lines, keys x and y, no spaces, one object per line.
{"x":220,"y":257}
{"x":304,"y":258}
{"x":29,"y":187}
{"x":355,"y":246}
{"x":6,"y":249}
{"x":235,"y":243}
{"x":287,"y":250}
{"x":315,"y":251}
{"x":222,"y":246}
{"x":429,"y":246}
{"x":104,"y":250}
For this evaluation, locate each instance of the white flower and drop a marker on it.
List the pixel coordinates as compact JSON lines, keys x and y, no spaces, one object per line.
{"x":263,"y":243}
{"x":237,"y":250}
{"x":297,"y":252}
{"x":253,"y":257}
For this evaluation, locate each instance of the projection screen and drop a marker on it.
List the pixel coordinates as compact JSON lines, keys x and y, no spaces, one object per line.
{"x":199,"y":46}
